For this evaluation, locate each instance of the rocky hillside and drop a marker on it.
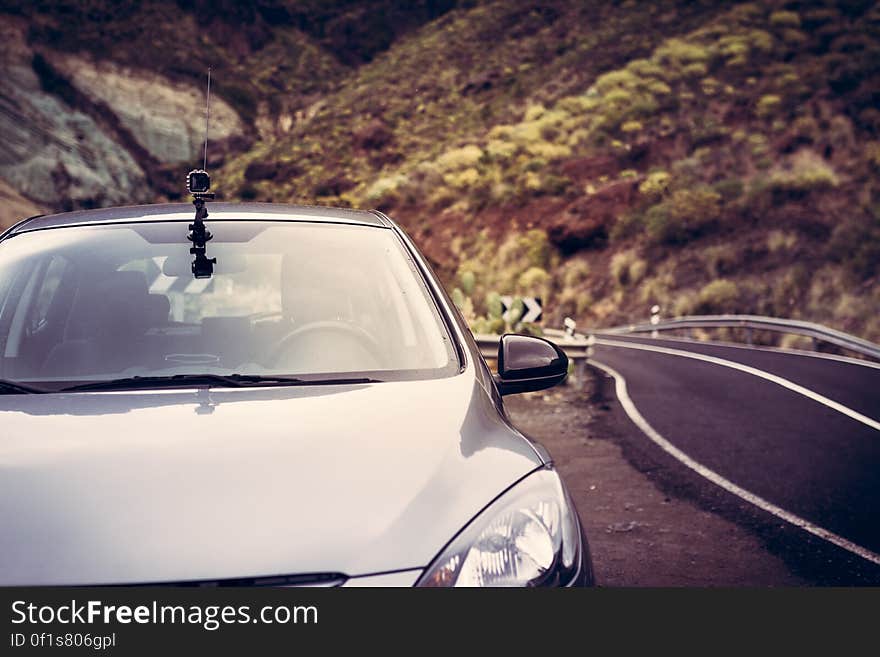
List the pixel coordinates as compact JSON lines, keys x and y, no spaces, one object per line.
{"x":707,"y":157}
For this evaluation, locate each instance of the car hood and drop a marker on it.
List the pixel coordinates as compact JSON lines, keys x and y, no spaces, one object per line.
{"x":170,"y":486}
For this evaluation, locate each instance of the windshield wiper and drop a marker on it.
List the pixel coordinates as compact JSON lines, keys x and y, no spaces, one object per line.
{"x":13,"y":388}
{"x":135,"y":382}
{"x":219,"y":380}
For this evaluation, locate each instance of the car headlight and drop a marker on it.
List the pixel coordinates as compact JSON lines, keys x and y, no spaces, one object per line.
{"x":529,"y":536}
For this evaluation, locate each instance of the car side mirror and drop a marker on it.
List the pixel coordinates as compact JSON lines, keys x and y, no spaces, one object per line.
{"x":526,"y":363}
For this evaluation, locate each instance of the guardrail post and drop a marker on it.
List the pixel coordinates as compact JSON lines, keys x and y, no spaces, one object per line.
{"x":580,"y":373}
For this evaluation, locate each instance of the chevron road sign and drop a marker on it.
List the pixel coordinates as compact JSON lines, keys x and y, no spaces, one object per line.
{"x":531,"y":313}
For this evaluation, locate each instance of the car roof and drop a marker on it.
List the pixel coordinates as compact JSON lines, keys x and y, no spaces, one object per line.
{"x":218,"y":211}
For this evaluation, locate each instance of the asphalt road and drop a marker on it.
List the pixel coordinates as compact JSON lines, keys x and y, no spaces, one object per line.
{"x":812,"y":451}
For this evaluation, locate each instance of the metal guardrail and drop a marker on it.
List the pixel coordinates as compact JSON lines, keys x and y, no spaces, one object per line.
{"x":757,"y":322}
{"x":574,"y":347}
{"x":577,"y":345}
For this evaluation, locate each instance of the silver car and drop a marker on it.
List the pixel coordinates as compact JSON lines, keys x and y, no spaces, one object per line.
{"x":312,"y":411}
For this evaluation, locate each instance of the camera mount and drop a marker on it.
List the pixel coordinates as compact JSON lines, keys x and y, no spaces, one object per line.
{"x":198,"y":182}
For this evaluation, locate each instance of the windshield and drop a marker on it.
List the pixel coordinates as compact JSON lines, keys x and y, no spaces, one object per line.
{"x":297,"y":299}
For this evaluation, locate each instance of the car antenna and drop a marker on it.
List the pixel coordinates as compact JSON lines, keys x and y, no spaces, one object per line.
{"x":198,"y":183}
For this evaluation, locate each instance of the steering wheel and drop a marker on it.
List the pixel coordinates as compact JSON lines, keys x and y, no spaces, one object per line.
{"x":360,"y":335}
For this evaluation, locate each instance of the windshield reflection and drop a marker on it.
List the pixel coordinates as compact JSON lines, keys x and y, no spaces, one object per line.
{"x":97,"y":303}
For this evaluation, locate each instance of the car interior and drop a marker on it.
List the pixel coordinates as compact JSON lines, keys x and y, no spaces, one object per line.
{"x":68,"y":318}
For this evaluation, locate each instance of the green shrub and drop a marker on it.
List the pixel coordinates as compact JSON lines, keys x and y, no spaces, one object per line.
{"x":536,"y":247}
{"x":686,"y":214}
{"x":480,"y":325}
{"x":385,"y":189}
{"x":458,"y":298}
{"x":645,"y":69}
{"x":720,"y":260}
{"x":697,"y":206}
{"x":656,"y":289}
{"x":660,"y":228}
{"x":677,"y":52}
{"x":618,"y":79}
{"x":656,"y":184}
{"x":658,"y":88}
{"x":619,"y":267}
{"x":468,"y":281}
{"x":575,"y":272}
{"x":806,"y":172}
{"x":497,"y":325}
{"x":768,"y":105}
{"x":534,"y":112}
{"x":577,"y":105}
{"x":758,"y":144}
{"x":460,"y":158}
{"x":684,"y":304}
{"x":494,"y":307}
{"x":498,"y":266}
{"x":529,"y":328}
{"x":717,"y":297}
{"x":785,"y":292}
{"x":692,"y":70}
{"x":637,"y":270}
{"x":761,"y":40}
{"x":627,"y":225}
{"x":617,"y":96}
{"x":535,"y":164}
{"x":806,"y":129}
{"x":547,"y":184}
{"x":735,"y":50}
{"x":554,"y":185}
{"x":533,"y":281}
{"x":778,"y":240}
{"x":785,"y":19}
{"x":462,"y":179}
{"x":856,"y":245}
{"x":730,"y":189}
{"x":710,"y":86}
{"x":500,"y":150}
{"x":548,"y":151}
{"x":627,"y":268}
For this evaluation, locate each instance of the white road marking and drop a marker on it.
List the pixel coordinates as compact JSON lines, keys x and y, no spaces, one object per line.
{"x":777,"y":350}
{"x":717,"y":479}
{"x":778,"y":380}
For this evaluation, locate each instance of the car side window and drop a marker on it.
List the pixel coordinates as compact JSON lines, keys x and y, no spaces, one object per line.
{"x":31,"y":313}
